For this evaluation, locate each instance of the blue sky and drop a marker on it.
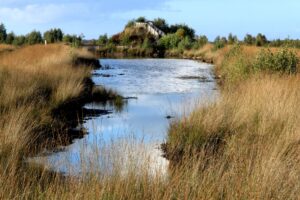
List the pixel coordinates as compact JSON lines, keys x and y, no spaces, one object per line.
{"x":275,"y":18}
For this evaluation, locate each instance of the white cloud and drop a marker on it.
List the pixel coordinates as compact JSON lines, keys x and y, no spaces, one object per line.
{"x":37,"y":14}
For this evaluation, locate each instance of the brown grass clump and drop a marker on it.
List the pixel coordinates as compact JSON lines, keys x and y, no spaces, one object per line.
{"x":248,"y":142}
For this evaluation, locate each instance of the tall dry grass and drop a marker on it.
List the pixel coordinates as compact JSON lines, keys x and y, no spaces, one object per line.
{"x":247,"y":148}
{"x":6,"y":48}
{"x":34,"y":80}
{"x":244,"y":146}
{"x":247,"y":143}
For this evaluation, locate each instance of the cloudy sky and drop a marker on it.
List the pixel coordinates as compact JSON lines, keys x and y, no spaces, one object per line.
{"x":275,"y":18}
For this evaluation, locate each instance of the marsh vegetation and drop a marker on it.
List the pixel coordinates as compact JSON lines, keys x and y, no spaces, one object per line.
{"x":242,"y":146}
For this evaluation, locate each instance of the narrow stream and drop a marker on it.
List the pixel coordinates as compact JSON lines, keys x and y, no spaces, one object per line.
{"x":130,"y":136}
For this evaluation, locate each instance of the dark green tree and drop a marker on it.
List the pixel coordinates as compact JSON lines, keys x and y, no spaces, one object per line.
{"x":161,"y":24}
{"x":3,"y":33}
{"x":49,"y":37}
{"x":35,"y":37}
{"x":10,"y":38}
{"x":188,"y":31}
{"x":249,"y":39}
{"x":141,"y":19}
{"x":19,"y":40}
{"x":53,"y":35}
{"x":58,"y":35}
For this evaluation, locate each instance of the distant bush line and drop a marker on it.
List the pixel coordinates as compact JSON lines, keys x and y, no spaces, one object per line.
{"x":177,"y":37}
{"x":36,"y":37}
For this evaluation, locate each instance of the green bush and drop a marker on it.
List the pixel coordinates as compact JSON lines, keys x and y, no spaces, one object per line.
{"x":169,"y":41}
{"x":185,"y":43}
{"x":284,"y":61}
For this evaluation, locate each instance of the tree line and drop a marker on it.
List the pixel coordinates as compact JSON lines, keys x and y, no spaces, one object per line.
{"x":177,"y":36}
{"x":181,"y":37}
{"x":260,"y":40}
{"x":36,"y":37}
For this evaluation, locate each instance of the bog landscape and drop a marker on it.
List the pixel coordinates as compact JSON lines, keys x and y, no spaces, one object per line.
{"x":157,"y":110}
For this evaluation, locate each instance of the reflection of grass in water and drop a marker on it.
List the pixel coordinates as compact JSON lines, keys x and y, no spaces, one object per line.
{"x":119,"y":104}
{"x":104,"y":96}
{"x":101,"y":94}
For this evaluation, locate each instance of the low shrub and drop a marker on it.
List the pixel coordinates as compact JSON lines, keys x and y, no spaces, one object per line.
{"x":241,"y":62}
{"x":284,"y":61}
{"x":169,"y":41}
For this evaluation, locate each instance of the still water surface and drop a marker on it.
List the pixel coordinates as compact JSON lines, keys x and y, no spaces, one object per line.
{"x":130,"y":137}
